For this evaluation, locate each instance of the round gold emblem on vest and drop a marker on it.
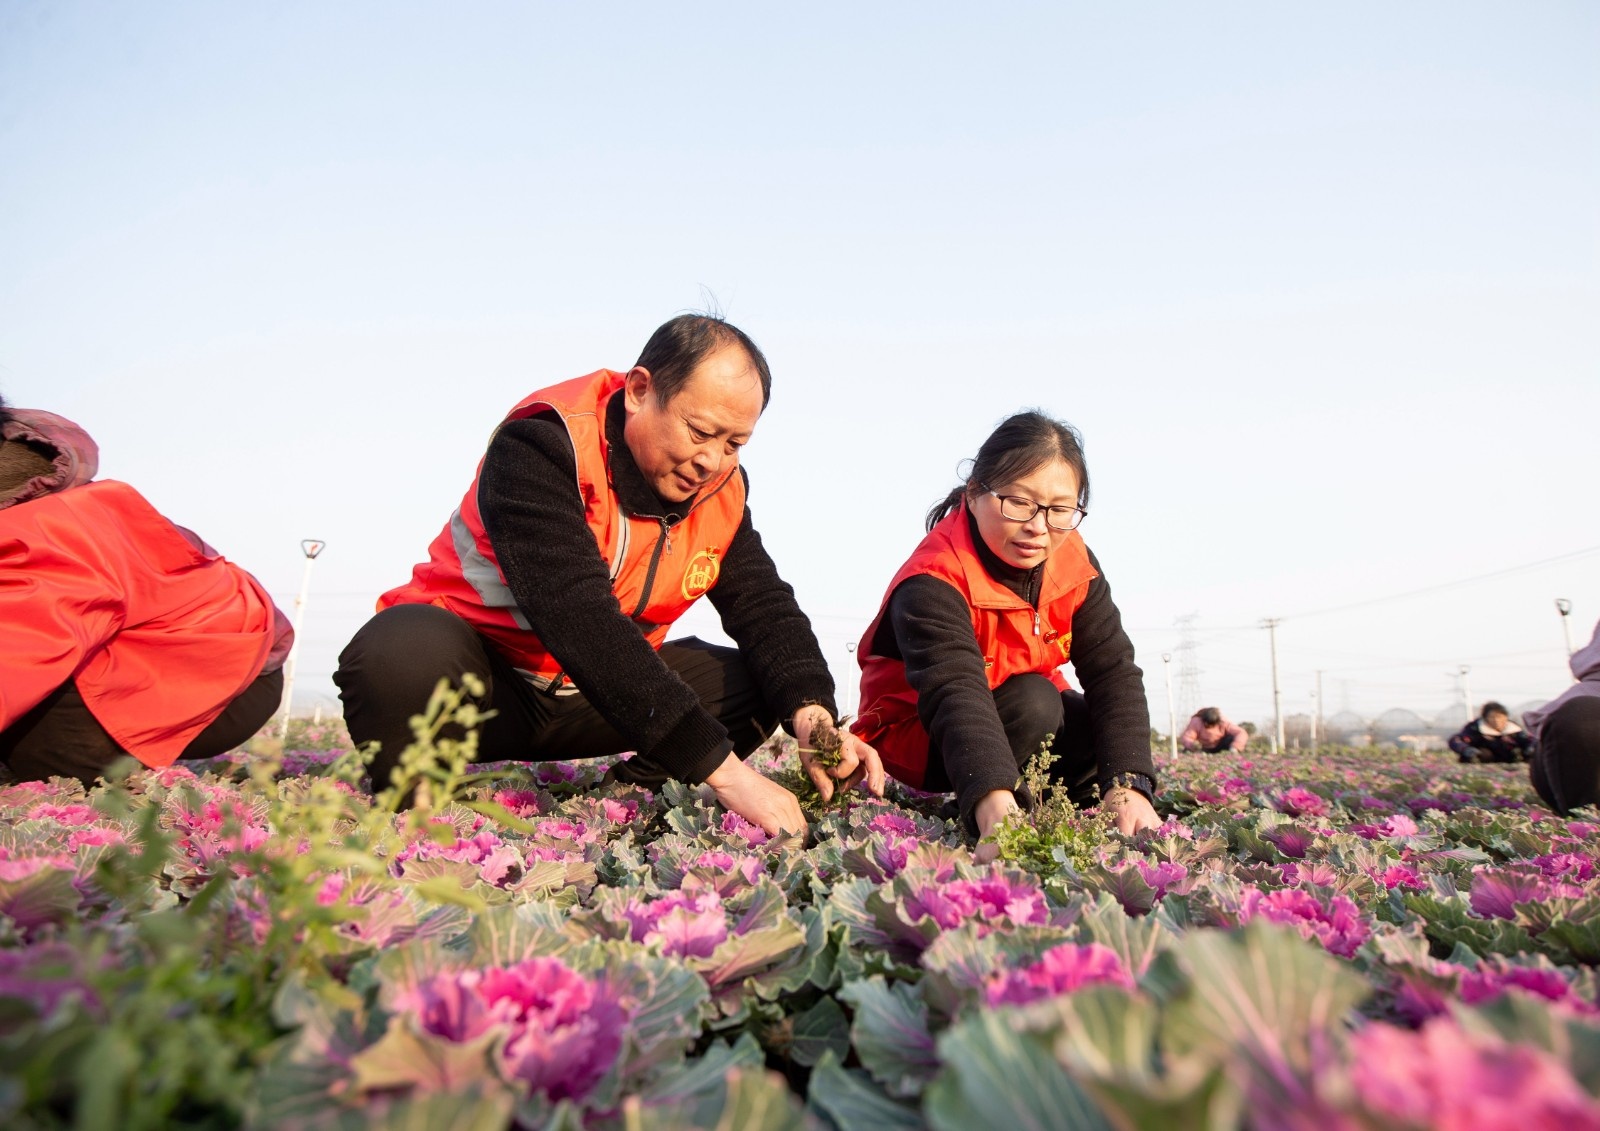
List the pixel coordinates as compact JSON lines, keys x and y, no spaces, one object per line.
{"x":700,"y":574}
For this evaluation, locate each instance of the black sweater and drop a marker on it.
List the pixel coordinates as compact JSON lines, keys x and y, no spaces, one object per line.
{"x":929,"y":626}
{"x":548,"y":554}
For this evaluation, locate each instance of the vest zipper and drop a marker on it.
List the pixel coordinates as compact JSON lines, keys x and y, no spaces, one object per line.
{"x":665,"y":543}
{"x":650,"y":573}
{"x":1036,"y":622}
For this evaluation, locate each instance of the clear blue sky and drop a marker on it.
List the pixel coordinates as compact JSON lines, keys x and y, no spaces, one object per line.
{"x":1319,"y":284}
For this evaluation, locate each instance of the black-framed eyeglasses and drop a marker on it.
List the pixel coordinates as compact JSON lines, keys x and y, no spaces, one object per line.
{"x":1017,"y":509}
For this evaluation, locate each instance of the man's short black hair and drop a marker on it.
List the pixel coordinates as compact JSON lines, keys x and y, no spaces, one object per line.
{"x":684,"y":342}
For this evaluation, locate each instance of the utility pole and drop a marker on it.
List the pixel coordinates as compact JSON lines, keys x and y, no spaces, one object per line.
{"x":849,"y":674}
{"x":310,"y":547}
{"x":1564,"y":607}
{"x":1466,"y":692}
{"x":1172,"y":714}
{"x":1271,"y":625}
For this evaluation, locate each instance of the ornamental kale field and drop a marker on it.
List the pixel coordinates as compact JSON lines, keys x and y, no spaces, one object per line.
{"x":1355,"y":939}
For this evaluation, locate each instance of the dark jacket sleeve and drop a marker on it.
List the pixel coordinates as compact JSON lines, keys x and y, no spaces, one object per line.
{"x":1464,"y":743}
{"x":1113,"y":685}
{"x":932,"y":628}
{"x":560,"y":581}
{"x":775,"y":639}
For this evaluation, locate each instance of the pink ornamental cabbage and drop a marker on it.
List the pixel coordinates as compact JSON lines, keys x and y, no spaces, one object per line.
{"x":1571,"y":866}
{"x":564,"y":1031}
{"x":988,"y":900}
{"x":64,"y":814}
{"x":893,"y":824}
{"x":1396,"y":825}
{"x":1336,"y":923}
{"x":1496,"y":977}
{"x":735,"y":825}
{"x":1164,"y":877}
{"x":1059,"y":970}
{"x":686,"y":923}
{"x":1298,"y":801}
{"x":523,"y":803}
{"x":1444,"y":1078}
{"x":1400,"y":876}
{"x":1497,"y":891}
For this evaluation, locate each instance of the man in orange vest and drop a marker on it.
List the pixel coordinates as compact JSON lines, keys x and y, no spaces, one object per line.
{"x":120,"y":632}
{"x":603,"y":508}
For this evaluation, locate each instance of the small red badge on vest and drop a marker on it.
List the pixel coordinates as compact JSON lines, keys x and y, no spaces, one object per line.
{"x":701,"y":573}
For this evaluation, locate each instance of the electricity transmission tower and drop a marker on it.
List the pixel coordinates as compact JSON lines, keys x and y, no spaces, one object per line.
{"x":1188,"y":667}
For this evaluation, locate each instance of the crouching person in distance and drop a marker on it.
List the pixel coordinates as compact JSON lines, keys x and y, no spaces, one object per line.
{"x":1492,"y":737}
{"x":604,"y":507}
{"x":1210,"y":730}
{"x":960,"y":675}
{"x":120,"y":632}
{"x":1566,"y":734}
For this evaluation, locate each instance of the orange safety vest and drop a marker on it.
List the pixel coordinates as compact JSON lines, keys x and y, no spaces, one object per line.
{"x":158,"y":635}
{"x":1013,"y":636}
{"x":657,"y":571}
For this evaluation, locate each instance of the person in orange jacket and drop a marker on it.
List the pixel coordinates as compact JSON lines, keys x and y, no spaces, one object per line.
{"x":120,"y":632}
{"x":960,"y":681}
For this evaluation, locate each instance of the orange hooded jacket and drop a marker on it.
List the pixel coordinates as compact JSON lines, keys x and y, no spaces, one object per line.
{"x":158,"y":633}
{"x":1013,"y":636}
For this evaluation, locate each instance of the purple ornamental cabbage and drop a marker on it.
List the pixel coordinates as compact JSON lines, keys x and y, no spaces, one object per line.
{"x":954,"y":902}
{"x":1445,"y":1078}
{"x":1336,"y":922}
{"x":1059,"y":970}
{"x":563,"y":1030}
{"x":687,"y":923}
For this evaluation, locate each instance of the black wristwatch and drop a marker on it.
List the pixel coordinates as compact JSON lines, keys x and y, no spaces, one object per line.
{"x":1142,"y":783}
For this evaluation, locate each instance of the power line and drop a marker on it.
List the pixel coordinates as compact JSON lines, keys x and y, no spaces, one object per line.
{"x":1574,"y":555}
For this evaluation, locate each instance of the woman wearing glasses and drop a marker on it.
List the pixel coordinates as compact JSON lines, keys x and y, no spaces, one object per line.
{"x":960,"y":683}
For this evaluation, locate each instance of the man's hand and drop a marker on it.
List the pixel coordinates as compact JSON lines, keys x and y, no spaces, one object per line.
{"x":857,"y":760}
{"x":993,"y":808}
{"x":759,"y":800}
{"x":1132,"y":810}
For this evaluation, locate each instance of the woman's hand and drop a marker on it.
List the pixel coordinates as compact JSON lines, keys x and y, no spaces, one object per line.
{"x":992,"y":808}
{"x":857,"y":760}
{"x":1131,"y":809}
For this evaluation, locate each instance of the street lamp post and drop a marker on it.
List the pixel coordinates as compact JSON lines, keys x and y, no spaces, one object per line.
{"x":1172,"y":714}
{"x":1466,"y":692}
{"x":1564,"y":607}
{"x":849,"y":674}
{"x":310,"y":547}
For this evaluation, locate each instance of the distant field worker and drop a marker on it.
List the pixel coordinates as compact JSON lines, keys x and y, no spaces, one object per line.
{"x":961,"y":680}
{"x":1566,"y":731}
{"x":1208,"y":730}
{"x":120,"y":632}
{"x":1492,"y":737}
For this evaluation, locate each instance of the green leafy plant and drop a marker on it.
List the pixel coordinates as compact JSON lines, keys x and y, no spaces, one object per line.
{"x":1052,"y":831}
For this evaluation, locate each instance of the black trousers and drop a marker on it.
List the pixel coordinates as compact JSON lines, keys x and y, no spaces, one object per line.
{"x":389,"y":669}
{"x":1030,"y":707}
{"x":61,"y":738}
{"x":1566,"y":764}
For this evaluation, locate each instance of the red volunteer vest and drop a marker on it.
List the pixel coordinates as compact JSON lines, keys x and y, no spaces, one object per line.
{"x":159,"y":636}
{"x":656,"y":574}
{"x":1013,"y":637}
